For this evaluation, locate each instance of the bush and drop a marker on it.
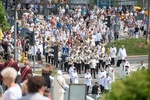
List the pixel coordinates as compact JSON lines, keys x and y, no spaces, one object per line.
{"x":136,"y":87}
{"x":133,"y":46}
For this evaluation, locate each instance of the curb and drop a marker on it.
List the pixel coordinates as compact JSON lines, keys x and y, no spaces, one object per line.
{"x":137,"y":56}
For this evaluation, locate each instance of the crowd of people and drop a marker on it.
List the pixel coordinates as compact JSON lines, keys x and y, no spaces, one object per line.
{"x":84,"y":31}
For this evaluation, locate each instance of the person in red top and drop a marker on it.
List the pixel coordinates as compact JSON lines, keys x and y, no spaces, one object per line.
{"x":11,"y":63}
{"x":25,"y":71}
{"x":1,"y":68}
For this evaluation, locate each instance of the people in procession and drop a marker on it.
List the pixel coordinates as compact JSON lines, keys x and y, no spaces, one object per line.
{"x":84,"y":34}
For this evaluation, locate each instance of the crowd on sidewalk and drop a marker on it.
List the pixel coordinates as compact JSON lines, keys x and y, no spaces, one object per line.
{"x":84,"y":32}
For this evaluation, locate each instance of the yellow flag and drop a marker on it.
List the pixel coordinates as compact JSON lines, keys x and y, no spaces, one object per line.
{"x":1,"y":34}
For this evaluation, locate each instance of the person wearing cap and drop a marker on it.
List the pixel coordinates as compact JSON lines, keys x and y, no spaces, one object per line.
{"x":59,"y":85}
{"x":25,"y":71}
{"x":75,"y":76}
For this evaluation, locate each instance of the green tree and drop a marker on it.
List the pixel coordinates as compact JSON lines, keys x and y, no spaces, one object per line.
{"x":3,"y":21}
{"x":136,"y":87}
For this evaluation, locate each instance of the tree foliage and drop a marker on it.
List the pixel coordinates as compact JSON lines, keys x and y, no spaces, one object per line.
{"x":136,"y":87}
{"x":3,"y":21}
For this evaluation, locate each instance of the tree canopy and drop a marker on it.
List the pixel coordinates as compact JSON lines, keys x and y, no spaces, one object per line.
{"x":3,"y":22}
{"x":136,"y":87}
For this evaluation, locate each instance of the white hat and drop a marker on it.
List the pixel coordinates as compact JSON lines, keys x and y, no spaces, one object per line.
{"x":59,"y":72}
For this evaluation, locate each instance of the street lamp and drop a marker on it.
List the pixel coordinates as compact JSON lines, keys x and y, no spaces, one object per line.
{"x":15,"y":30}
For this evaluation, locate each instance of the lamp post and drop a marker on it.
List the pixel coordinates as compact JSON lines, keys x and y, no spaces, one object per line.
{"x":15,"y":30}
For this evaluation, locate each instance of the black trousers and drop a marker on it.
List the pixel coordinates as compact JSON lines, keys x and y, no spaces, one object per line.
{"x":88,"y":90}
{"x":79,"y":68}
{"x":93,"y":71}
{"x":69,"y":65}
{"x":103,"y":64}
{"x":102,"y":88}
{"x":46,"y":56}
{"x":52,"y":60}
{"x":87,"y":66}
{"x":65,"y":66}
{"x":82,"y":65}
{"x":112,"y":61}
{"x":97,"y":67}
{"x":49,"y":59}
{"x":100,"y":63}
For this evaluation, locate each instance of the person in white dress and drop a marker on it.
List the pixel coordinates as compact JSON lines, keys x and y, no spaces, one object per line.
{"x":111,"y":73}
{"x":87,"y":80}
{"x":75,"y":76}
{"x":101,"y":76}
{"x":107,"y":83}
{"x":71,"y":69}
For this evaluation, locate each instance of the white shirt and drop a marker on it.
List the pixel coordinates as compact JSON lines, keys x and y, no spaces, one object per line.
{"x":107,"y":81}
{"x":13,"y":93}
{"x":87,"y":79}
{"x":93,"y":63}
{"x":75,"y":77}
{"x":113,"y":52}
{"x":122,"y":53}
{"x":111,"y":73}
{"x":101,"y":76}
{"x":71,"y":71}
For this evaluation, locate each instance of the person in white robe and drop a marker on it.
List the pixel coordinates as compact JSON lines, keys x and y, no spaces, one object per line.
{"x":122,"y":53}
{"x":75,"y":76}
{"x":107,"y":83}
{"x":111,"y":73}
{"x":87,"y":80}
{"x":122,"y":69}
{"x":113,"y":51}
{"x":71,"y":69}
{"x":101,"y":76}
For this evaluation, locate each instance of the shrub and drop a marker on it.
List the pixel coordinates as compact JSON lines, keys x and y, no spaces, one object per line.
{"x":133,"y":46}
{"x":136,"y":87}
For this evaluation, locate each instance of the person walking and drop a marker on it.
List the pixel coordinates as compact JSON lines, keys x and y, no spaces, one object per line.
{"x":101,"y":76}
{"x":121,"y":54}
{"x":87,"y":80}
{"x":59,"y":85}
{"x":75,"y":76}
{"x":113,"y":51}
{"x":95,"y":91}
